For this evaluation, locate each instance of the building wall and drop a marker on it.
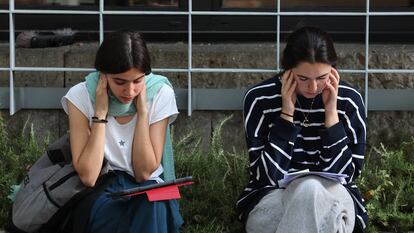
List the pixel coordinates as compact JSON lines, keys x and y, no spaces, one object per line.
{"x":382,"y":126}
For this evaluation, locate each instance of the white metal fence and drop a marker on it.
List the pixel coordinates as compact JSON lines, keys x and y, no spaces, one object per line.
{"x":12,"y":11}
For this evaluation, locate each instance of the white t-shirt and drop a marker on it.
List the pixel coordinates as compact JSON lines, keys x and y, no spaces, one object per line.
{"x":119,"y":137}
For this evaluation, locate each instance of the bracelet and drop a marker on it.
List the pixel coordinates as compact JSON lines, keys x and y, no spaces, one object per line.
{"x":283,"y":113}
{"x":97,"y":120}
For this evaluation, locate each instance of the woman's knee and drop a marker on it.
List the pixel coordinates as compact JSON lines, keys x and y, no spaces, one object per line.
{"x":309,"y":185}
{"x":261,"y":220}
{"x":266,"y":215}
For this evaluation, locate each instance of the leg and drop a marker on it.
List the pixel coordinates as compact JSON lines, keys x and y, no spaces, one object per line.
{"x":134,"y":214}
{"x":315,"y":204}
{"x":266,"y":215}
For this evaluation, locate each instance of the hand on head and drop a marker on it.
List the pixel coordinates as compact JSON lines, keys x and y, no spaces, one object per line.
{"x":102,"y":97}
{"x":288,"y":92}
{"x":330,"y":91}
{"x":329,"y":96}
{"x":141,"y":101}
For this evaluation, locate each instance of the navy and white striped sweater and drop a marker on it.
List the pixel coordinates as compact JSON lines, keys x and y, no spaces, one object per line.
{"x":277,"y":146}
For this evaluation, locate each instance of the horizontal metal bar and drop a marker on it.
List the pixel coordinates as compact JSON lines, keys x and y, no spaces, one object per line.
{"x":297,"y":13}
{"x":172,"y":70}
{"x":203,"y":70}
{"x":52,"y":12}
{"x":352,"y":71}
{"x":202,"y":99}
{"x":169,"y":70}
{"x":391,"y":13}
{"x":347,"y":13}
{"x":250,"y":13}
{"x":391,"y":99}
{"x":408,"y":71}
{"x":79,"y":12}
{"x":63,"y":69}
{"x":232,"y":70}
{"x":51,"y":69}
{"x":145,"y":12}
{"x":218,"y":99}
{"x":235,"y":13}
{"x":35,"y":97}
{"x":225,"y":13}
{"x":375,"y":71}
{"x":84,"y":12}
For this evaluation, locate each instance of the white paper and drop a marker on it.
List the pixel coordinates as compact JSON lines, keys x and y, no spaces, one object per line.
{"x":287,"y":178}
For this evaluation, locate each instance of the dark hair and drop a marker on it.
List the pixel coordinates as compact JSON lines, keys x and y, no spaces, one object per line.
{"x":121,"y":51}
{"x":308,"y":44}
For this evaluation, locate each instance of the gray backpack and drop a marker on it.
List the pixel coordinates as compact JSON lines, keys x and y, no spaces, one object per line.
{"x":50,"y":183}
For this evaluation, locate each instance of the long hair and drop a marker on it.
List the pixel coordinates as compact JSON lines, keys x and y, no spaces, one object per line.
{"x":121,"y":51}
{"x":308,"y":44}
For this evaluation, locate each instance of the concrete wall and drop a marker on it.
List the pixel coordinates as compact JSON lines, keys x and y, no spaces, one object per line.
{"x":382,"y":126}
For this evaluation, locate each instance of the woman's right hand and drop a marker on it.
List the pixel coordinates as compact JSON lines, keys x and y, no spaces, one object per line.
{"x":101,"y":108}
{"x":288,"y":92}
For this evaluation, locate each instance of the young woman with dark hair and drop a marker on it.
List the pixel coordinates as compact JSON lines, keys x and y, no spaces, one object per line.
{"x":304,"y":118}
{"x":120,"y":115}
{"x":131,"y":52}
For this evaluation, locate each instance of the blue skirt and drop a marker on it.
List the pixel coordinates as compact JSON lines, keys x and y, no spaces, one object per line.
{"x":132,"y":214}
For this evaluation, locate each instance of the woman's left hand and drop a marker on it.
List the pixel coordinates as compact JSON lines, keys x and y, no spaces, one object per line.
{"x":141,"y":102}
{"x":329,"y":96}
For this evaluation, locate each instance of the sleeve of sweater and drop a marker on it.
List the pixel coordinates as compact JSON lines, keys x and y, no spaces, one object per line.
{"x":343,"y":145}
{"x":270,"y":151}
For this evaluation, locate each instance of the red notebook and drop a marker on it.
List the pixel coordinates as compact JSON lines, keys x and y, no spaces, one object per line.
{"x":157,"y":192}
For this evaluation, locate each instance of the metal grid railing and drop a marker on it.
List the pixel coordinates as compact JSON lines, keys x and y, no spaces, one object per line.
{"x":190,"y":69}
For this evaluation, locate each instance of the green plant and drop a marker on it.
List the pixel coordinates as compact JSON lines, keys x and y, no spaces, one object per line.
{"x":388,"y":188}
{"x":220,"y":176}
{"x":17,"y":152}
{"x":208,"y":206}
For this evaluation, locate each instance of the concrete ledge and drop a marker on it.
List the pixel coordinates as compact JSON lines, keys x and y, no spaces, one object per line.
{"x":202,"y":98}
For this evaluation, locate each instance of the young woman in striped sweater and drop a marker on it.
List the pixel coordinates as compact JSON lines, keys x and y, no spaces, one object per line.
{"x":304,"y":118}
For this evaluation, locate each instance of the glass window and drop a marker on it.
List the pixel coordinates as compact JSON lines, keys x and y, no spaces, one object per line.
{"x":249,"y":4}
{"x":341,"y":28}
{"x":295,"y":5}
{"x":57,"y":3}
{"x":4,"y":27}
{"x":289,"y":5}
{"x":143,"y":3}
{"x":387,"y":4}
{"x":213,"y":28}
{"x":323,"y":5}
{"x":4,"y":4}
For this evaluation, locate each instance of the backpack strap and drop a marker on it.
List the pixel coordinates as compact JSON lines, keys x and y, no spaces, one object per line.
{"x":59,"y":151}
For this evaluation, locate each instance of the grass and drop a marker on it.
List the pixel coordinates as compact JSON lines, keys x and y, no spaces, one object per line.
{"x":208,"y":206}
{"x":387,"y":184}
{"x":17,"y":152}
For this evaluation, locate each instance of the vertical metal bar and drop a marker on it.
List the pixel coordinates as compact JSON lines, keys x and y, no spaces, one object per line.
{"x":12,"y":60}
{"x":101,"y":24}
{"x":190,"y":58}
{"x":366,"y":55}
{"x":278,"y":36}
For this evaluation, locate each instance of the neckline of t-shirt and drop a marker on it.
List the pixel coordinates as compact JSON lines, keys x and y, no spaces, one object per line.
{"x":112,"y":119}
